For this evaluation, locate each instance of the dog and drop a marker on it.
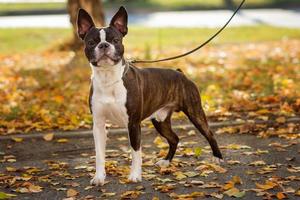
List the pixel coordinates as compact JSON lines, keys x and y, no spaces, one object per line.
{"x":126,"y":95}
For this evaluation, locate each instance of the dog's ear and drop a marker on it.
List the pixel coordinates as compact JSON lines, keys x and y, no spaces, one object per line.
{"x":119,"y":21}
{"x":84,"y":23}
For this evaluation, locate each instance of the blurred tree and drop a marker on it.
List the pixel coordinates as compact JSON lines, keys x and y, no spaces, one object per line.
{"x":94,"y":7}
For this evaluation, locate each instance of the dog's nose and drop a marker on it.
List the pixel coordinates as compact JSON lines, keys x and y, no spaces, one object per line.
{"x":103,"y":45}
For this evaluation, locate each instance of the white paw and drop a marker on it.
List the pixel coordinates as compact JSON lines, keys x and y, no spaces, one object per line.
{"x":163,"y":163}
{"x":98,"y":180}
{"x":217,"y":160}
{"x":135,"y":177}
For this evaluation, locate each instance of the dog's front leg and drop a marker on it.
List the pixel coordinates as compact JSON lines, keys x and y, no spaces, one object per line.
{"x":100,"y":136}
{"x":136,"y":153}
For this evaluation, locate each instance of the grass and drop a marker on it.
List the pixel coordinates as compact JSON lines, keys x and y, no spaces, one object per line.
{"x":199,"y":4}
{"x":27,"y":39}
{"x":153,"y":5}
{"x":5,"y":7}
{"x":37,"y":39}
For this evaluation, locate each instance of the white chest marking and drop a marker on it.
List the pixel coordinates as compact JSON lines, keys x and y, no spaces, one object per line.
{"x":109,"y":95}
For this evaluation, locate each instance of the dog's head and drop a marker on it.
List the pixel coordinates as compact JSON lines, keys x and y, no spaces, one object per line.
{"x":103,"y":46}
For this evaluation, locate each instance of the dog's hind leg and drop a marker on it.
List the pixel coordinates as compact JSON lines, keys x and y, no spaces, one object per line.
{"x":195,"y":113}
{"x":164,"y":129}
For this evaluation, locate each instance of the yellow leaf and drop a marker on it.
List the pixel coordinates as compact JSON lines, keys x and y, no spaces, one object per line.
{"x":48,"y":137}
{"x":11,"y":169}
{"x":191,"y":174}
{"x":237,"y":146}
{"x":263,"y":111}
{"x":179,"y":176}
{"x":108,"y":194}
{"x":231,"y":192}
{"x":17,"y":139}
{"x":159,"y":143}
{"x":130,"y":194}
{"x":6,"y":195}
{"x":268,"y":185}
{"x":188,"y":152}
{"x":72,"y":193}
{"x":62,"y":140}
{"x":258,"y":163}
{"x":237,"y":180}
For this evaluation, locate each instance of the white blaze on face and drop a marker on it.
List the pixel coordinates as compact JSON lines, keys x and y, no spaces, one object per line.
{"x":110,"y":51}
{"x":102,"y":36}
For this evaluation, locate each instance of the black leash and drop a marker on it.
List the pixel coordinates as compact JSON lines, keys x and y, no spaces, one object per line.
{"x":195,"y":49}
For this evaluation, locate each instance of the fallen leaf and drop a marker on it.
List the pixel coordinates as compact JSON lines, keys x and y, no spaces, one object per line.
{"x":191,"y":132}
{"x":35,"y":188}
{"x":179,"y":176}
{"x":216,"y":195}
{"x":48,"y":137}
{"x":257,"y":163}
{"x":108,"y":194}
{"x":280,"y":195}
{"x":237,"y":146}
{"x":233,"y":162}
{"x":239,"y":194}
{"x":188,"y":152}
{"x":62,"y":140}
{"x":159,"y":143}
{"x":72,"y":193}
{"x":131,"y":194}
{"x":11,"y":169}
{"x":198,"y":151}
{"x":17,"y":139}
{"x":237,"y":180}
{"x":196,"y":182}
{"x":217,"y":168}
{"x":280,"y":120}
{"x":268,"y":185}
{"x":165,"y":188}
{"x":231,"y":192}
{"x":191,"y":174}
{"x":6,"y":195}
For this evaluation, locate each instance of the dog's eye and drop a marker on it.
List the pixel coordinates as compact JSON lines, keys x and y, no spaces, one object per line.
{"x":116,"y":40}
{"x":91,"y":43}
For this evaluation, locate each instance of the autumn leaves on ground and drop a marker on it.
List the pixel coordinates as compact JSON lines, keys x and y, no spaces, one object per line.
{"x":48,"y":89}
{"x":247,"y":75}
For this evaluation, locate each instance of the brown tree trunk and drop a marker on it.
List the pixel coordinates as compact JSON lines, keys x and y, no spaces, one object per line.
{"x":94,"y":7}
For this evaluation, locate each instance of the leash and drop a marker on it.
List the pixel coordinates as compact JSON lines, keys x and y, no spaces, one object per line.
{"x":198,"y":47}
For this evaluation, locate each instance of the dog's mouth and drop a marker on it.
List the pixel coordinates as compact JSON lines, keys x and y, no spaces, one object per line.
{"x":105,"y":59}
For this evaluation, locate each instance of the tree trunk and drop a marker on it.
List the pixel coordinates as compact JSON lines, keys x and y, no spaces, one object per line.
{"x":93,"y":7}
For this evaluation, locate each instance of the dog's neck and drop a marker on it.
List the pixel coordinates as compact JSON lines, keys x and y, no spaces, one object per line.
{"x":108,"y":75}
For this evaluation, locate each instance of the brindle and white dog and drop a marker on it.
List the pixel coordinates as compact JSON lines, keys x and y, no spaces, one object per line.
{"x":126,"y":95}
